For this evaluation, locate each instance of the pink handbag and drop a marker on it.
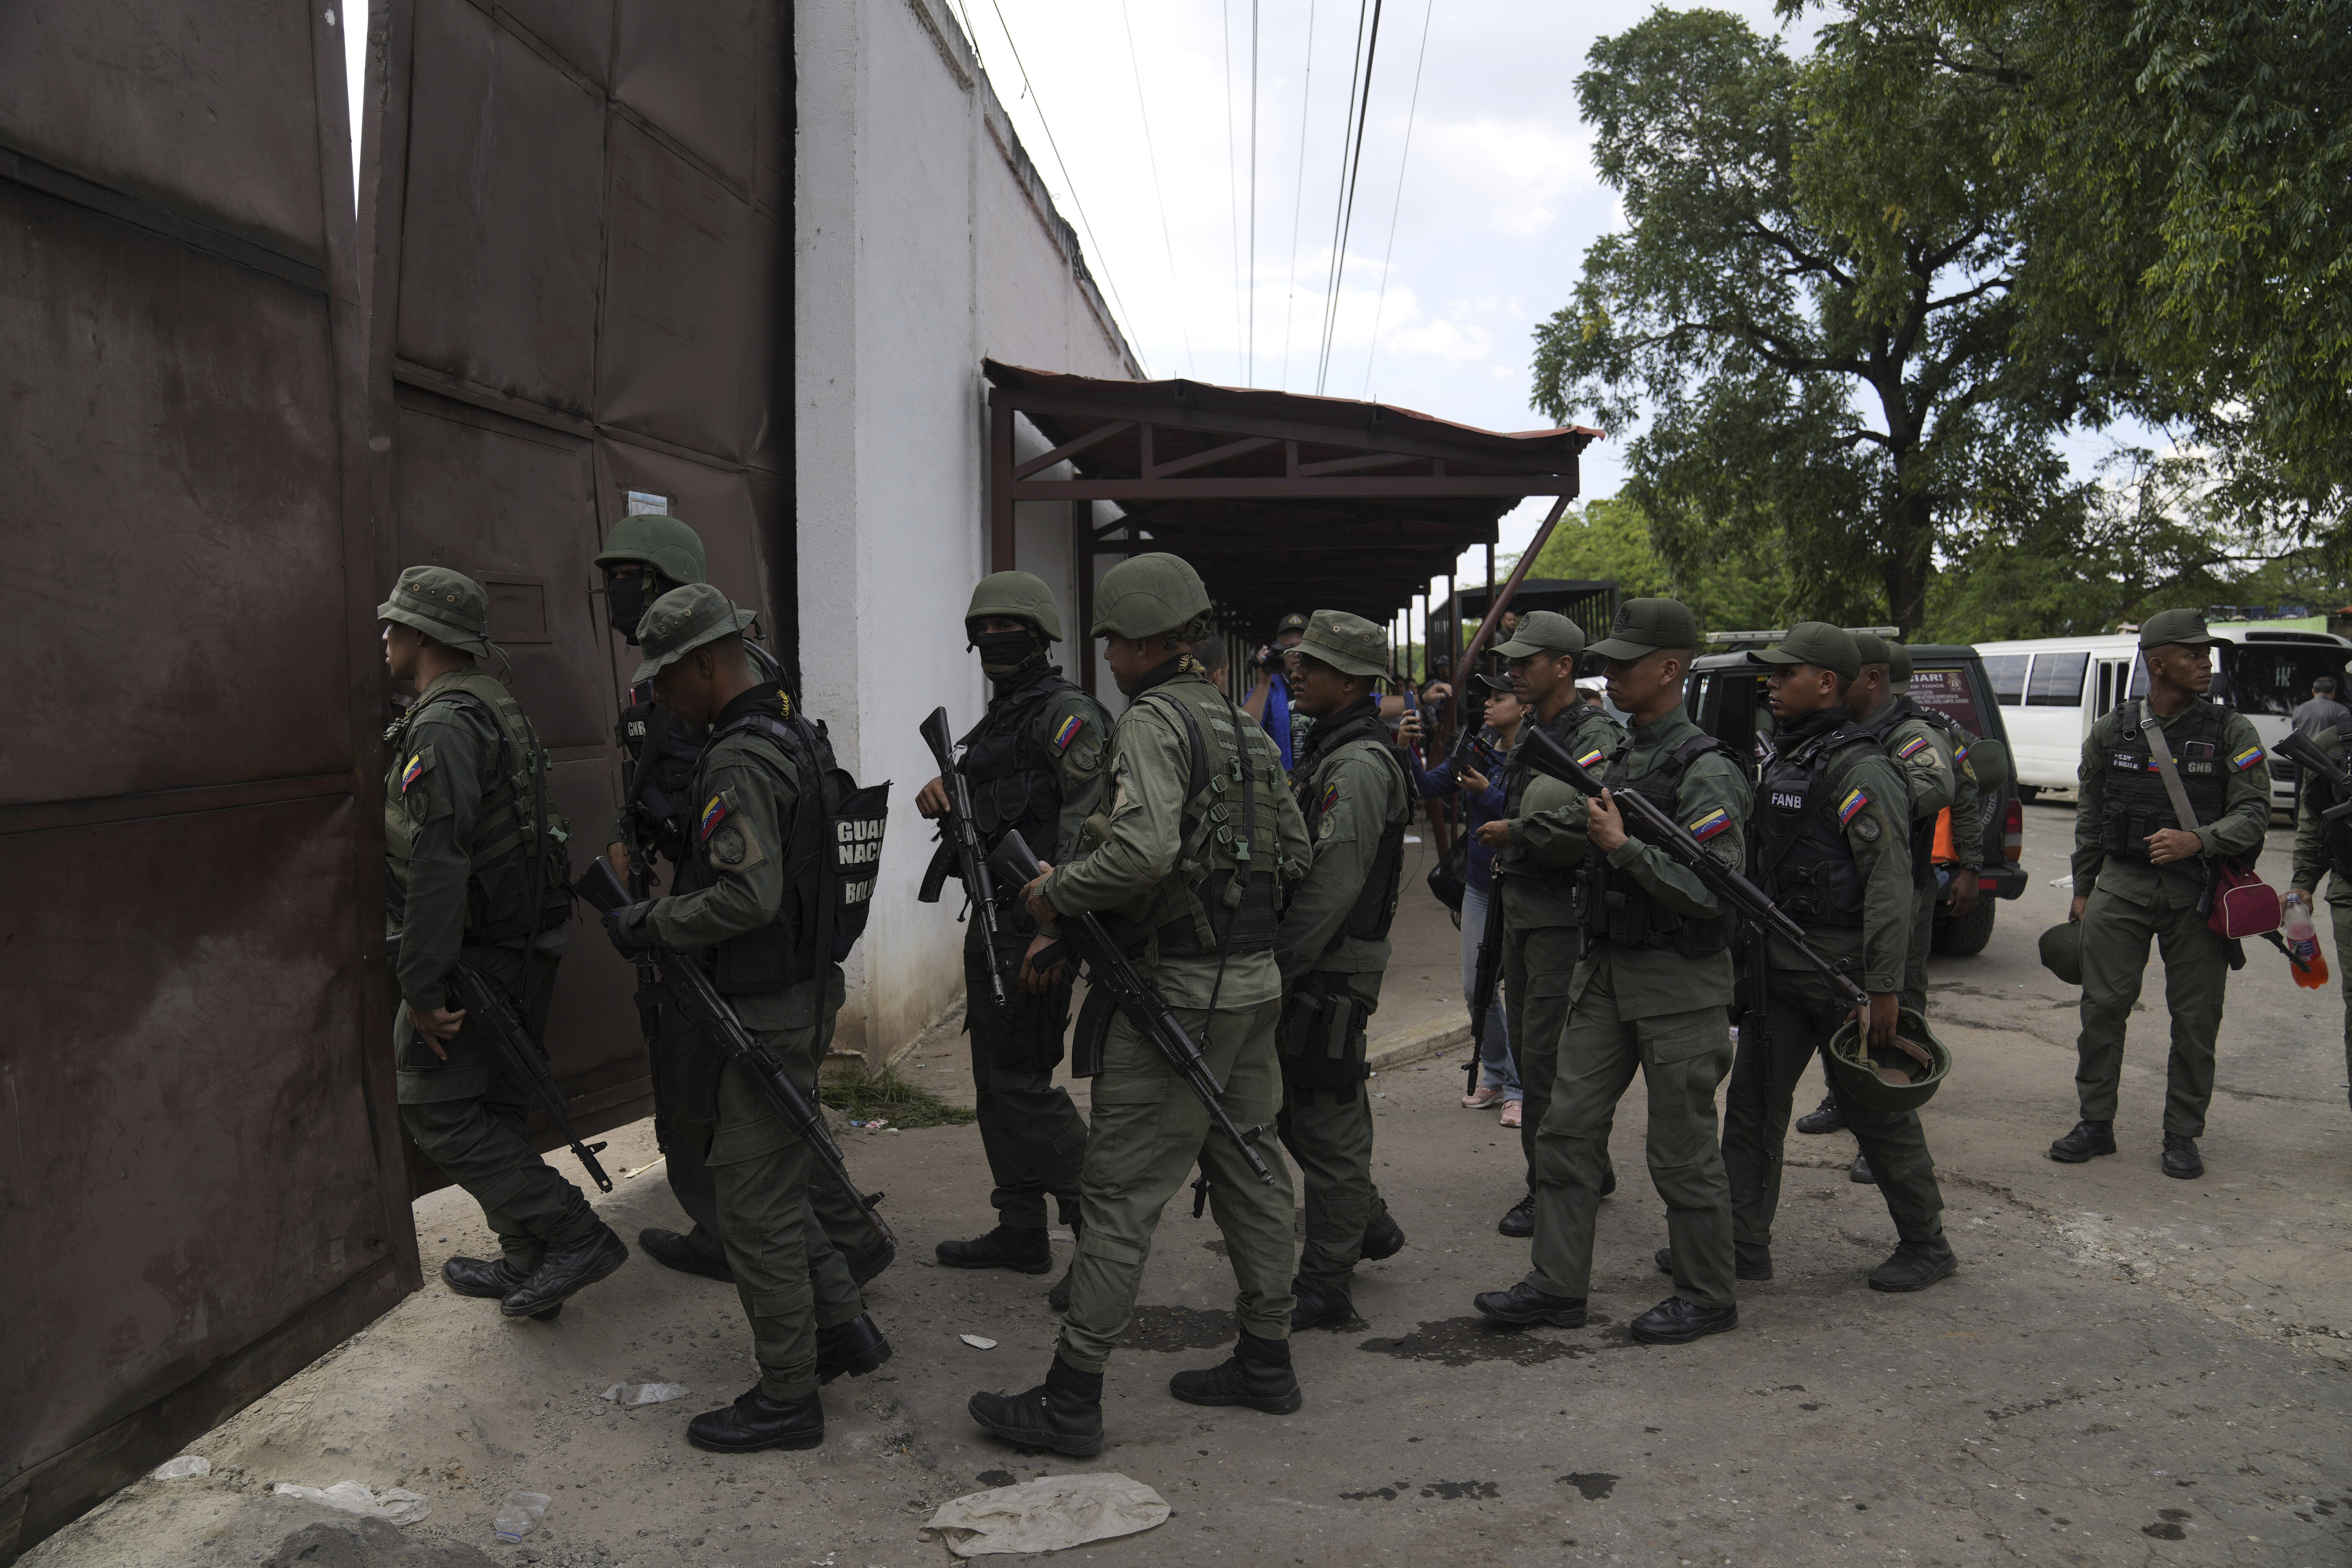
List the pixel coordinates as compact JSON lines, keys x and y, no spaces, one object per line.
{"x":2241,"y":904}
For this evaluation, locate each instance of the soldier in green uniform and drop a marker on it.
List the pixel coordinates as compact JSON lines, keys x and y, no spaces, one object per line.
{"x":2139,"y":876}
{"x":2324,"y":847}
{"x":1968,"y":828}
{"x":1358,"y":801}
{"x":1538,"y":842}
{"x":750,"y":896}
{"x":1649,"y":994}
{"x":647,"y":555}
{"x":477,"y":874}
{"x":1189,"y":867}
{"x":1035,"y":764}
{"x":1829,"y":845}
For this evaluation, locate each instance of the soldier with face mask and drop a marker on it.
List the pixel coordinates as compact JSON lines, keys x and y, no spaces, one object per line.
{"x":647,"y":555}
{"x":1035,"y":764}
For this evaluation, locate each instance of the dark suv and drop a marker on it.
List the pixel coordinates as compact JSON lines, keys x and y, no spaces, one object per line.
{"x":1727,"y":696}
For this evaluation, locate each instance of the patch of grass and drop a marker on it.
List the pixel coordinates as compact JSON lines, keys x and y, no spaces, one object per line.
{"x":855,"y":1092}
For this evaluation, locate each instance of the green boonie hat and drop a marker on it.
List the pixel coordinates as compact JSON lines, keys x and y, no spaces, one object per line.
{"x":1544,"y":631}
{"x":1903,"y":1078}
{"x":1899,"y":665}
{"x":1817,"y":643}
{"x":1018,"y":596}
{"x":2062,"y":951}
{"x":681,"y":621}
{"x":447,"y":606}
{"x":2174,"y":628}
{"x":1644,"y":625}
{"x":1146,"y":595}
{"x":1870,"y":648}
{"x":1293,"y":622}
{"x":1348,"y":644}
{"x":659,"y":540}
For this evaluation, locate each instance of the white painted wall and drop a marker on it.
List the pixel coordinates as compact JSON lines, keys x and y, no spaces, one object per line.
{"x":926,"y":244}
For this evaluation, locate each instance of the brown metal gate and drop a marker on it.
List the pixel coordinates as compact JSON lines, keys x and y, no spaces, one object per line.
{"x":577,"y":212}
{"x":201,"y":1182}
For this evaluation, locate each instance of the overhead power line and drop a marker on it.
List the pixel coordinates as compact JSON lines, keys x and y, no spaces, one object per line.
{"x":1151,"y":152}
{"x":1298,"y":191}
{"x":1379,"y":300}
{"x":1249,"y":277}
{"x":1353,"y":159}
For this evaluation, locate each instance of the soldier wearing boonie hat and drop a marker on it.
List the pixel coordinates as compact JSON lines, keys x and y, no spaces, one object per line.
{"x":2141,"y":877}
{"x":1829,"y":845}
{"x":1538,"y":842}
{"x":1358,"y":799}
{"x":463,"y":831}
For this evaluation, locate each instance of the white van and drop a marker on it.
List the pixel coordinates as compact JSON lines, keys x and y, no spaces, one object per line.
{"x":2053,"y":686}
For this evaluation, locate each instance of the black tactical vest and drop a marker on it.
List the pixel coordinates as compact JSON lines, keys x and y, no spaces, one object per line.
{"x":2136,"y":801}
{"x":1796,"y":839}
{"x":662,"y":751}
{"x":1563,"y":727}
{"x":1923,"y":828}
{"x":2335,"y":837}
{"x":1376,"y":901}
{"x":1010,"y":772}
{"x":1620,"y":910}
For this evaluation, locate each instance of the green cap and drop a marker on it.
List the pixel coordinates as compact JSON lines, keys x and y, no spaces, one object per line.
{"x":1018,"y":596}
{"x":1293,"y":622}
{"x":1544,"y":631}
{"x":2062,"y":951}
{"x":1144,"y":596}
{"x":659,"y":540}
{"x":1348,"y":644}
{"x":682,"y":620}
{"x":1644,"y":625}
{"x":1817,"y":643}
{"x":447,"y":606}
{"x":2174,"y":628}
{"x":1870,"y":648}
{"x":1899,"y":665}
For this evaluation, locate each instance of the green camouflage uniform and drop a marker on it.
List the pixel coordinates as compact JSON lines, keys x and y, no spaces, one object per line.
{"x":2316,"y":856}
{"x":1924,"y":754}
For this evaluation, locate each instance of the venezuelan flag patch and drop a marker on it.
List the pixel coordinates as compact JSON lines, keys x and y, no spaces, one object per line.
{"x":1067,"y":733}
{"x":1590,"y":757}
{"x":1912,"y":747}
{"x":1331,"y":799}
{"x":408,"y":774}
{"x":712,"y":815}
{"x":1855,"y":801}
{"x":1707,"y":827}
{"x":2246,"y":759}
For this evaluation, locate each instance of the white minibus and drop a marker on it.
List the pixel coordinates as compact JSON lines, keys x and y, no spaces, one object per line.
{"x":2052,"y":687}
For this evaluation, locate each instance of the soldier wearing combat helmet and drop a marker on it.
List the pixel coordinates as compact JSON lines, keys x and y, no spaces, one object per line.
{"x":1190,"y":864}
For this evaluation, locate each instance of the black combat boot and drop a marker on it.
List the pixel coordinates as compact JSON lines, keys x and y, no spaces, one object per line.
{"x":490,"y":1280}
{"x":1523,"y":1304}
{"x":1519,"y":1220}
{"x":856,"y":1347}
{"x":566,"y":1271}
{"x":1258,"y":1374}
{"x":1059,"y":1297}
{"x":1608,"y":1181}
{"x":1064,"y":1413}
{"x":1314,"y":1309}
{"x":2180,"y":1157}
{"x":1674,"y":1322}
{"x":867,"y":1264}
{"x":1915,"y":1265}
{"x":1823,"y":1117}
{"x":2089,"y":1138}
{"x":755,"y":1421}
{"x":1750,"y":1261}
{"x":1383,"y":1238}
{"x":671,"y":1250}
{"x":1022,"y":1251}
{"x":1859,"y":1171}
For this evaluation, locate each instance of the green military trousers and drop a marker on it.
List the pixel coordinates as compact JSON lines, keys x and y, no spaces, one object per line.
{"x":1804,"y":1013}
{"x":1034,"y":1138}
{"x":1327,"y":1127}
{"x":468,"y":1116}
{"x":1537,"y":964}
{"x":2116,"y":936}
{"x":2340,"y":912}
{"x":1914,"y":994}
{"x":1682,"y":1057}
{"x":1148,"y":1131}
{"x":790,"y":1278}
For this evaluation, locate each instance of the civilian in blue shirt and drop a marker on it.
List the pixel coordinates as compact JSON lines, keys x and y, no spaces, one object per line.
{"x":1269,"y":701}
{"x":1477,"y":778}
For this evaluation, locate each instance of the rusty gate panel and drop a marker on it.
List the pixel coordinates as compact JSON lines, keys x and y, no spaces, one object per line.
{"x":698,"y":84}
{"x":202,"y":1189}
{"x":578,"y":31}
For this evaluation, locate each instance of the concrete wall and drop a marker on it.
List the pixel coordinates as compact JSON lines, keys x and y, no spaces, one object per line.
{"x":926,"y":243}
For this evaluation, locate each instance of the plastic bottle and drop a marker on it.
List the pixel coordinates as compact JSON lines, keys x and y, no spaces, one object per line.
{"x":519,"y":1515}
{"x":2303,"y":942}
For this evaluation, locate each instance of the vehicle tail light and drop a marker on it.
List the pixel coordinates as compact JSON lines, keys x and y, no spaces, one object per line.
{"x":2012,"y":829}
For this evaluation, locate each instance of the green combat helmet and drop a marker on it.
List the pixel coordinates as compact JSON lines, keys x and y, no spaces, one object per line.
{"x":1144,"y":596}
{"x":2061,"y":948}
{"x":447,"y":606}
{"x":658,"y":541}
{"x":1904,"y":1078}
{"x":1018,"y":596}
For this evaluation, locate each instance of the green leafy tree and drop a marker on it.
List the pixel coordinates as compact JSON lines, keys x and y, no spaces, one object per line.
{"x":1611,"y":541}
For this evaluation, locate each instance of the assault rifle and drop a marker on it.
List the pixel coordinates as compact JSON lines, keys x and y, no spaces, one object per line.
{"x":1482,"y":986}
{"x":692,"y":993}
{"x":1110,"y":972}
{"x":960,"y":847}
{"x":481,"y":999}
{"x":2304,"y":753}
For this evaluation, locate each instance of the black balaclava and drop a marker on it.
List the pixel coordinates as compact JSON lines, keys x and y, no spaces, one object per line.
{"x":627,"y":599}
{"x":1003,"y":654}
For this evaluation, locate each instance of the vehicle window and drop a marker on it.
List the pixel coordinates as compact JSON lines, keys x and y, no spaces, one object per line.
{"x":2057,"y":680}
{"x":1946,"y":691}
{"x":2006,"y":674}
{"x":2138,"y":687}
{"x":2273,"y":677}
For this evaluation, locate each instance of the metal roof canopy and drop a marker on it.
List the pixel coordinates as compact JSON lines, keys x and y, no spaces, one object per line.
{"x":1284,"y":501}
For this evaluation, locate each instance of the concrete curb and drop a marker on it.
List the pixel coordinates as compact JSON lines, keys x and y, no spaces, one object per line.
{"x":1428,"y":1040}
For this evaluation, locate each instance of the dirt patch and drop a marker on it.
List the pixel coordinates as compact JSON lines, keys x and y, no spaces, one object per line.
{"x":1179,"y":1329}
{"x":1459,"y":1342}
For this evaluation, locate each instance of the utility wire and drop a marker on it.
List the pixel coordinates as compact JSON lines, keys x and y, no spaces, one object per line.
{"x":1143,"y":109}
{"x":1381,"y":299}
{"x":1355,"y":161}
{"x":1102,"y":264}
{"x":1249,"y":360}
{"x":1298,"y":192}
{"x":1232,"y":181}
